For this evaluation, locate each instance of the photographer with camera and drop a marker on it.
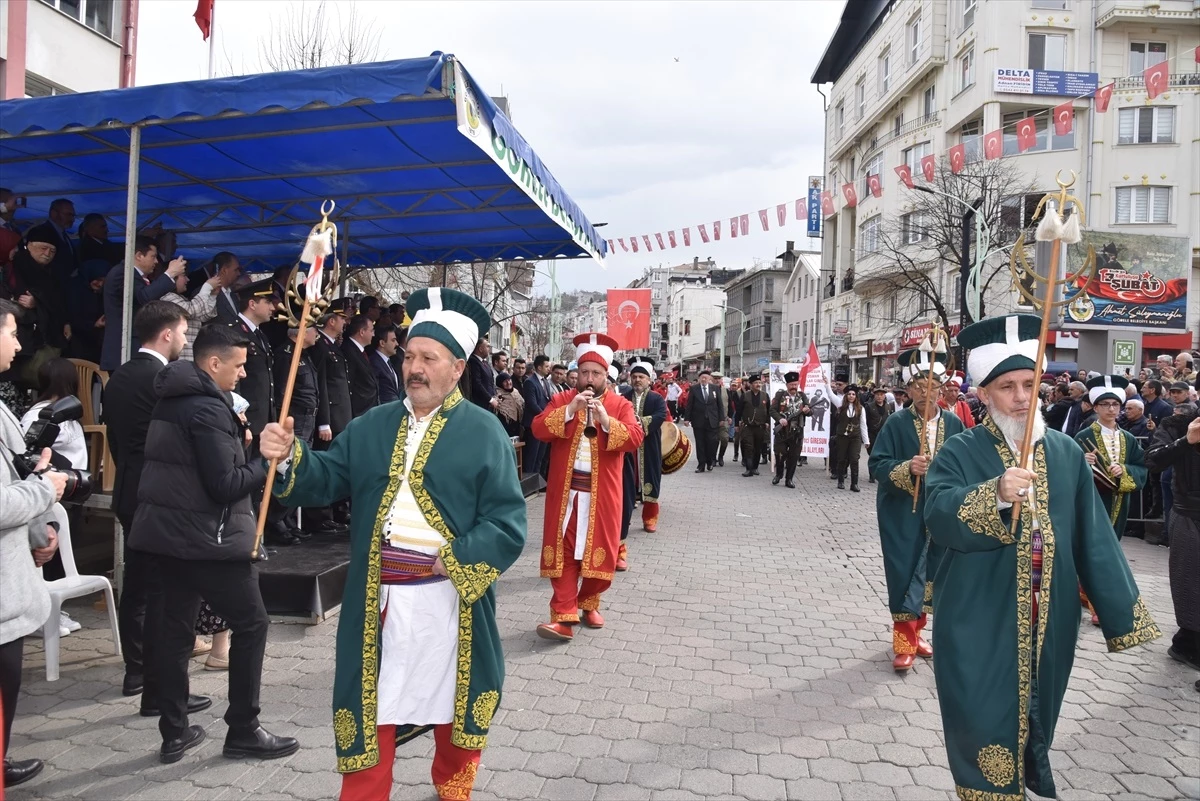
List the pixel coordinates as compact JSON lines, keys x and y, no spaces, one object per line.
{"x":27,"y":541}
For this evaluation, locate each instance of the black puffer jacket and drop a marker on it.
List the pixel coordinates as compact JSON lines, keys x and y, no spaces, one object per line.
{"x":194,"y":496}
{"x":1170,"y":448}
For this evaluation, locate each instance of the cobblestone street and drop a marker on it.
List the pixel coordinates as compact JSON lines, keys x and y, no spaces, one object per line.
{"x":746,"y":655}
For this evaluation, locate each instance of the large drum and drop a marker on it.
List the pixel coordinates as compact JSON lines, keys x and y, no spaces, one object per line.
{"x":676,"y":448}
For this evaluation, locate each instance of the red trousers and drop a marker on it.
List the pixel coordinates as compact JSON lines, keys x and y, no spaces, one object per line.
{"x":905,"y":634}
{"x":453,"y":769}
{"x":570,"y":593}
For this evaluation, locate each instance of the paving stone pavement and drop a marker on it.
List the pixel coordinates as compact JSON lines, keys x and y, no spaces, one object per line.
{"x":746,"y":655}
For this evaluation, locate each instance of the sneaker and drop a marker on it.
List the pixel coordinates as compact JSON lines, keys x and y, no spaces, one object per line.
{"x":65,"y":622}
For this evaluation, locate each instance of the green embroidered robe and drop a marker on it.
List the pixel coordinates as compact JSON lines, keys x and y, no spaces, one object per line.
{"x":464,"y":478}
{"x":1130,"y":456}
{"x":1001,"y":674}
{"x":910,"y":561}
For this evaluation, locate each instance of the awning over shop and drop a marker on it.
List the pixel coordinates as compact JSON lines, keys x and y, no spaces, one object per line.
{"x":423,"y":166}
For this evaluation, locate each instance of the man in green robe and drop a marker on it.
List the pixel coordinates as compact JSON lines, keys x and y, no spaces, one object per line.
{"x":438,"y":516}
{"x":1008,"y":612}
{"x":1113,"y":454}
{"x":898,"y":460}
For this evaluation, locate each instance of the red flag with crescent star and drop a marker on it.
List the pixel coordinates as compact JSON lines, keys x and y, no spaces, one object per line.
{"x":703,"y":233}
{"x":1064,"y":119}
{"x":993,"y":145}
{"x":629,"y":318}
{"x":1026,"y":133}
{"x":633,"y":241}
{"x":958,"y":158}
{"x":801,"y":209}
{"x":610,"y":245}
{"x":621,"y":242}
{"x":646,"y":239}
{"x":717,"y":230}
{"x":687,"y":237}
{"x":827,"y":203}
{"x":744,"y":224}
{"x":781,"y":214}
{"x":850,"y":195}
{"x":762,"y":219}
{"x":1103,"y":96}
{"x":733,"y":227}
{"x":671,"y":238}
{"x":875,"y":185}
{"x":659,"y":239}
{"x":1157,"y":78}
{"x":927,"y":167}
{"x":905,"y":174}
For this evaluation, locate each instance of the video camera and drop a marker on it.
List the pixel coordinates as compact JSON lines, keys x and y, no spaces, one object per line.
{"x":41,"y":435}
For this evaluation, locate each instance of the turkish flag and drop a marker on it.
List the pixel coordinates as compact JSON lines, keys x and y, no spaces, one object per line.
{"x":621,"y":242}
{"x":733,"y":227}
{"x":1064,"y":119}
{"x":827,"y":203}
{"x":762,"y":219}
{"x":1198,"y":55}
{"x":671,"y":238}
{"x":610,"y":245}
{"x":1103,"y":95}
{"x":958,"y":158}
{"x":1026,"y":133}
{"x":993,"y":145}
{"x":203,"y":17}
{"x":875,"y":185}
{"x":703,"y":233}
{"x":905,"y":175}
{"x":1156,"y":79}
{"x":717,"y":230}
{"x":633,"y":241}
{"x":781,"y":214}
{"x":801,"y":209}
{"x":687,"y":237}
{"x":661,"y":246}
{"x":927,"y":167}
{"x":646,"y":239}
{"x":629,"y":318}
{"x":850,"y":195}
{"x":744,"y":222}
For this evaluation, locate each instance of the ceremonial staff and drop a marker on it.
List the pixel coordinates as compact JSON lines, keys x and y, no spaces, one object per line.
{"x":933,"y":337}
{"x":321,"y":244}
{"x":1058,"y":229}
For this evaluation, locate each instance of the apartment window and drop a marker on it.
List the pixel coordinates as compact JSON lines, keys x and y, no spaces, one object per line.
{"x":860,"y":98}
{"x":868,"y":240}
{"x":915,"y":228}
{"x":966,"y":69}
{"x":766,"y":326}
{"x":955,"y":290}
{"x":1047,"y":51}
{"x":914,"y":154}
{"x":874,"y":166}
{"x":96,"y":14}
{"x":770,"y":287}
{"x":968,"y":15}
{"x":929,"y":102}
{"x":828,"y":323}
{"x":892,"y":310}
{"x":868,"y":315}
{"x":897,"y":124}
{"x":839,"y":118}
{"x":914,"y":39}
{"x":687,"y":328}
{"x":1147,"y":125}
{"x":971,"y":135}
{"x":1144,"y":55}
{"x":885,"y":72}
{"x":1016,"y":213}
{"x":1143,"y":204}
{"x":804,"y":333}
{"x":1046,"y":138}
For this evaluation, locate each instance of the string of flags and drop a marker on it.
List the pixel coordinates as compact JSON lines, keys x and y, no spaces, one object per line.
{"x":1156,"y":79}
{"x":739,"y":225}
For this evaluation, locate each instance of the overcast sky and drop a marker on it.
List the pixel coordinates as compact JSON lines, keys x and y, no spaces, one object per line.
{"x":639,"y":140}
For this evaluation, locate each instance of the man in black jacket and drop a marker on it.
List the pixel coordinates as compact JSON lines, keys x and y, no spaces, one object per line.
{"x":129,"y":399}
{"x":483,"y":376}
{"x":705,"y":414}
{"x":333,"y":410}
{"x":364,"y":389}
{"x":194,"y":516}
{"x":383,"y":347}
{"x":536,"y":391}
{"x":145,"y":262}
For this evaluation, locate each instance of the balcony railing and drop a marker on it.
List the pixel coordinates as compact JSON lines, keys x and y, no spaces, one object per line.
{"x":1176,"y":80}
{"x":829,"y":292}
{"x":904,"y":130}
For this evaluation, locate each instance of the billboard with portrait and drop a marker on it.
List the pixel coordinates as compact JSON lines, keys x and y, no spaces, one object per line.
{"x":1141,"y":282}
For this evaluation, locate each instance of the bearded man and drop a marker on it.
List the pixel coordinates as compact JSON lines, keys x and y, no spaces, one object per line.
{"x":643,"y":467}
{"x":439,"y":515}
{"x":589,"y":430}
{"x":951,"y":399}
{"x":1008,"y":609}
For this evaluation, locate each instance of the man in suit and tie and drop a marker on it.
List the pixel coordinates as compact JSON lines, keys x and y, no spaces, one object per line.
{"x":383,"y":348}
{"x":483,"y":377}
{"x":58,"y":225}
{"x":145,"y":260}
{"x":129,"y":399}
{"x":536,"y":392}
{"x":704,"y":413}
{"x":364,"y":389}
{"x":227,"y":268}
{"x":333,"y":409}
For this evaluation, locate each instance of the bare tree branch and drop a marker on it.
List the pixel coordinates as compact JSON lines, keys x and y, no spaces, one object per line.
{"x":305,"y":37}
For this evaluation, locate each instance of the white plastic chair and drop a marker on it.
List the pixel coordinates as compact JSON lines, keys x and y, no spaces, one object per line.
{"x":72,"y":585}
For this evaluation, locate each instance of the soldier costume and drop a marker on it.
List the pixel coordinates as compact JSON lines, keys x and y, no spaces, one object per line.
{"x":752,"y":425}
{"x":789,"y":409}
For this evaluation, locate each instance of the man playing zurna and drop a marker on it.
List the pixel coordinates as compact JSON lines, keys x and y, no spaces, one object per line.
{"x":1008,"y":613}
{"x":589,"y":430}
{"x":643,"y":467}
{"x":439,"y":515}
{"x":897,"y":462}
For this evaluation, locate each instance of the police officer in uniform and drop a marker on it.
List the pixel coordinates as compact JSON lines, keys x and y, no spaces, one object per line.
{"x":333,"y":407}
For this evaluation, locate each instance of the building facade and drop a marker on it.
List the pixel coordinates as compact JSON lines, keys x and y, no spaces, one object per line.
{"x":800,"y":306}
{"x":50,"y":47}
{"x":695,"y":303}
{"x":915,"y":78}
{"x":754,"y":318}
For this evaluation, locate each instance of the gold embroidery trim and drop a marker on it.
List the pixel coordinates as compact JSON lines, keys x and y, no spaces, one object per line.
{"x":460,"y":785}
{"x":901,"y":645}
{"x":969,"y":794}
{"x":903,"y":617}
{"x":484,"y":708}
{"x":297,"y":457}
{"x":618,"y":435}
{"x":980,"y":514}
{"x":556,"y":421}
{"x":564,"y":617}
{"x":547,"y":556}
{"x":554,"y":570}
{"x":472,"y":580}
{"x":1144,"y":629}
{"x":598,"y":557}
{"x":345,"y":729}
{"x":590,"y":604}
{"x":997,"y":765}
{"x":902,"y":476}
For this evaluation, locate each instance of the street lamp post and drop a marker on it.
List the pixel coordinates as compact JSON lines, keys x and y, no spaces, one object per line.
{"x":983,"y":237}
{"x":724,"y":307}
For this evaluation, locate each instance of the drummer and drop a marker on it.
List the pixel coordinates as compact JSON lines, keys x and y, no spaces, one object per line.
{"x":643,"y":467}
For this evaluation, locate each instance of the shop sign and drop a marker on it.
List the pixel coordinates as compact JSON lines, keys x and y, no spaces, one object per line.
{"x":884,"y":347}
{"x":859,"y":350}
{"x":911,"y":337}
{"x":1141,"y":281}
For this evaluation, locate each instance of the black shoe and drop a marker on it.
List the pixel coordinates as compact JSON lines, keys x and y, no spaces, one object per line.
{"x":258,"y":743}
{"x":710,"y":468}
{"x":841,"y":483}
{"x":720,"y":463}
{"x":832,"y":476}
{"x":279,"y":539}
{"x":299,"y":533}
{"x":854,"y":488}
{"x":132,"y":685}
{"x":1180,"y":656}
{"x":20,"y":771}
{"x":775,"y":481}
{"x":195,"y":703}
{"x":871,"y":479}
{"x":790,"y":485}
{"x":747,"y":474}
{"x":172,"y":750}
{"x":330,"y":528}
{"x":700,"y":469}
